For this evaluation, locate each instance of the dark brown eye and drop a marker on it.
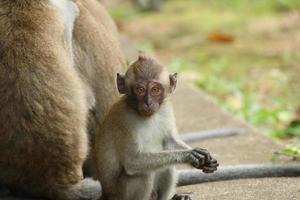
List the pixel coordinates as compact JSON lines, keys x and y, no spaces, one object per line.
{"x":140,"y":91}
{"x":155,"y":91}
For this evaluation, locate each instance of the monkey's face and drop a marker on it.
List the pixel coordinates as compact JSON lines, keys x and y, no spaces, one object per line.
{"x":146,"y":84}
{"x":147,"y":97}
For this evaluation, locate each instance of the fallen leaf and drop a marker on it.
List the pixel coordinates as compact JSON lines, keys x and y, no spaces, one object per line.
{"x":221,"y":37}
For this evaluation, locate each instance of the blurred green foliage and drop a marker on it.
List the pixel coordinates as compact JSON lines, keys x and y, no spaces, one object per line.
{"x":291,"y":150}
{"x":253,"y":76}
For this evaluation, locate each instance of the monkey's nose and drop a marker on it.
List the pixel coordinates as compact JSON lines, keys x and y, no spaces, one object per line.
{"x":147,"y":108}
{"x":149,"y":103}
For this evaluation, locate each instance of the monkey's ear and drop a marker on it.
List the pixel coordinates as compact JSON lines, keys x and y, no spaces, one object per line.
{"x":173,"y":82}
{"x":121,"y":83}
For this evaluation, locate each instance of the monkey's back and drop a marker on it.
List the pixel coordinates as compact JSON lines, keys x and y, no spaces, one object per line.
{"x":97,"y":53}
{"x":43,"y":109}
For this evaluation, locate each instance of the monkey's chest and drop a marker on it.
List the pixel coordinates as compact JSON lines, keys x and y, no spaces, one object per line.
{"x":153,"y":144}
{"x":151,"y":136}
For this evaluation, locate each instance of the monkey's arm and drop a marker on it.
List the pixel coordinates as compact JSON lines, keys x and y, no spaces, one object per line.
{"x":174,"y":142}
{"x":143,"y":162}
{"x":181,"y":144}
{"x":189,"y":177}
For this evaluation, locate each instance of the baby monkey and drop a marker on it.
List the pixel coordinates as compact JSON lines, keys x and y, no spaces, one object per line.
{"x":137,"y":146}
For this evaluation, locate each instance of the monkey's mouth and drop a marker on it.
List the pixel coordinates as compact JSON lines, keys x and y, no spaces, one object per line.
{"x":147,"y":112}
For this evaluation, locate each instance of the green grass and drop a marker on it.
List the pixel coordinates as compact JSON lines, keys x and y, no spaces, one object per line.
{"x":253,"y":77}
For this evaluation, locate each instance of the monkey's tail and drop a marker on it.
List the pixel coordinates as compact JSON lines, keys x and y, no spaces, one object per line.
{"x":189,"y":177}
{"x":88,"y":189}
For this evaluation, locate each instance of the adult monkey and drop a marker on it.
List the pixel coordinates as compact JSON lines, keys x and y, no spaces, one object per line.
{"x":98,"y":57}
{"x":51,"y":91}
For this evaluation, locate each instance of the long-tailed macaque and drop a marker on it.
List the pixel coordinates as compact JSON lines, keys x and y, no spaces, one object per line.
{"x":137,"y":145}
{"x":58,"y":59}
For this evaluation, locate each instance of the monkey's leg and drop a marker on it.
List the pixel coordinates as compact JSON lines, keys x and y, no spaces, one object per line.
{"x":136,"y":187}
{"x":86,"y":189}
{"x":166,"y":185}
{"x":89,"y":166}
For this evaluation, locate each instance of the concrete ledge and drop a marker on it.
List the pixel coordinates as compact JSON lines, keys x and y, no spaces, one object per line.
{"x":196,"y":111}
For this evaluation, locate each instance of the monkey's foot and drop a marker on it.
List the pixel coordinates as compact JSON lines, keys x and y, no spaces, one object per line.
{"x":154,"y":196}
{"x":181,"y":197}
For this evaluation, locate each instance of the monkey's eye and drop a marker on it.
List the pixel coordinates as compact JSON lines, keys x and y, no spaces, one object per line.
{"x":155,"y":91}
{"x":140,"y":91}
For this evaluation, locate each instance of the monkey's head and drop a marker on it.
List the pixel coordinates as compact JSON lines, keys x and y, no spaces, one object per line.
{"x":146,"y":84}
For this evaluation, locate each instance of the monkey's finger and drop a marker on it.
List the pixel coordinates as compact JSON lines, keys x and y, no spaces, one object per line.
{"x":209,"y":169}
{"x":193,"y":160}
{"x":181,"y":197}
{"x":205,"y":153}
{"x":200,"y":158}
{"x":195,"y":163}
{"x":187,"y":197}
{"x":213,"y":163}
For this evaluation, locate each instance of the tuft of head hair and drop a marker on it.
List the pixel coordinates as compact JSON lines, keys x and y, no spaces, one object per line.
{"x":142,"y":56}
{"x":146,"y":67}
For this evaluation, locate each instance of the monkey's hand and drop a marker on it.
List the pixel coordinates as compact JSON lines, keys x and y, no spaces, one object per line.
{"x":201,"y":159}
{"x":211,"y":166}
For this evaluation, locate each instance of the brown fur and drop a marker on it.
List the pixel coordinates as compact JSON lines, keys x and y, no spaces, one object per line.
{"x":45,"y":100}
{"x":97,"y":54}
{"x":98,"y":58}
{"x":146,"y":68}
